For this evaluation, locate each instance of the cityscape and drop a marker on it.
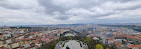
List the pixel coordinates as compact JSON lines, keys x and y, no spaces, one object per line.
{"x":70,"y":24}
{"x":71,"y":36}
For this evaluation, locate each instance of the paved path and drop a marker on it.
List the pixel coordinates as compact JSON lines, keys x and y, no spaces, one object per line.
{"x":72,"y":44}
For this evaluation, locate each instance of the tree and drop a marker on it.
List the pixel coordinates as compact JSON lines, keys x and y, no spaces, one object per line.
{"x":107,"y":48}
{"x":87,"y":39}
{"x":70,"y":37}
{"x":98,"y":46}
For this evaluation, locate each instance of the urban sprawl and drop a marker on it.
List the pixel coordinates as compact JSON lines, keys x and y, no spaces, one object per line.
{"x":119,"y":36}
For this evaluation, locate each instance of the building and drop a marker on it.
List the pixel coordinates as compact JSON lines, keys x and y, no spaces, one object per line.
{"x":134,"y":46}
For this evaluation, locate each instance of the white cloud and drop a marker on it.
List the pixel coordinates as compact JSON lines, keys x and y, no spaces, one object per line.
{"x":69,"y":11}
{"x":128,"y":16}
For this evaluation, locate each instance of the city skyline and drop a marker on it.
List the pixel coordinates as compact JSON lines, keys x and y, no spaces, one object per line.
{"x":38,"y":12}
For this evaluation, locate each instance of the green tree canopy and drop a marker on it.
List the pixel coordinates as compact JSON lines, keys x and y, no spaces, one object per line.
{"x":98,"y":46}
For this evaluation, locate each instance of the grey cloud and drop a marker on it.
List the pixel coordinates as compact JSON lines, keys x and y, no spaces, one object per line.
{"x":50,"y":7}
{"x":60,"y":16}
{"x":64,"y":6}
{"x":17,"y":4}
{"x":68,"y":11}
{"x":122,"y":1}
{"x":132,"y":5}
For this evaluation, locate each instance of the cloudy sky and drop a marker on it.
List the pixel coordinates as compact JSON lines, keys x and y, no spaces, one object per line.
{"x":28,"y":12}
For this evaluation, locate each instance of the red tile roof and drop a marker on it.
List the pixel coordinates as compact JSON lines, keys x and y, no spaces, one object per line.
{"x":134,"y":46}
{"x":134,"y":37}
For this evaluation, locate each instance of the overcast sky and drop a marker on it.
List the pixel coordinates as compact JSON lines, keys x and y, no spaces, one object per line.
{"x":31,"y":12}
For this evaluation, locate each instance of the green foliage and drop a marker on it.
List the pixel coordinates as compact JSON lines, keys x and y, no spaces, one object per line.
{"x":87,"y":39}
{"x":107,"y":48}
{"x":50,"y":45}
{"x":70,"y":37}
{"x":98,"y":46}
